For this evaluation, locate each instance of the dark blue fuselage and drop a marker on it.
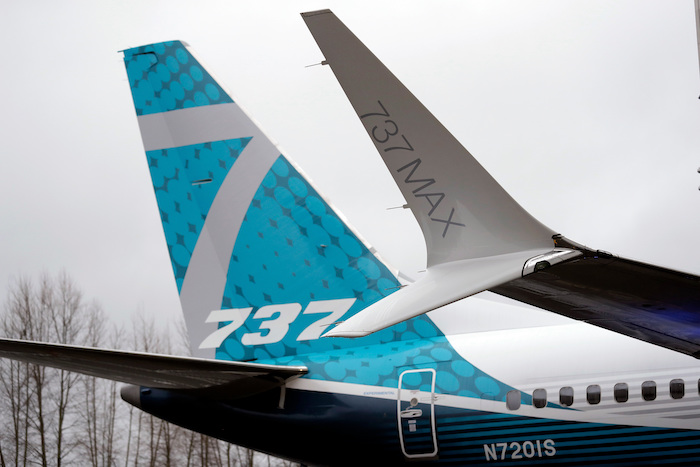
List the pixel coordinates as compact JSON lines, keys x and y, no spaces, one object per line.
{"x":317,"y":428}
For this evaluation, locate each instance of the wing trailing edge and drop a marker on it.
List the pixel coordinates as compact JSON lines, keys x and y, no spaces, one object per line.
{"x":204,"y":376}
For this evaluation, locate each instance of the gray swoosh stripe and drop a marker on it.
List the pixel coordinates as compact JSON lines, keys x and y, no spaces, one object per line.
{"x":205,"y":280}
{"x":195,"y":125}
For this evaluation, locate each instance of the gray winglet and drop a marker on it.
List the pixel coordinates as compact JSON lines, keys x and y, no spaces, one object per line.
{"x":463,"y":212}
{"x":477,"y":237}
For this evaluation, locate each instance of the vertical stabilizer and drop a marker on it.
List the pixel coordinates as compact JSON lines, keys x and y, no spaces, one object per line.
{"x":263,"y":264}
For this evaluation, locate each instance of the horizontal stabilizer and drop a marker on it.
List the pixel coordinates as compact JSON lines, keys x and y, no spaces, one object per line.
{"x":443,"y":284}
{"x":235,"y":379}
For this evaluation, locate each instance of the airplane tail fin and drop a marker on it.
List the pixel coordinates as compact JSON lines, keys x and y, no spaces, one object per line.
{"x":263,"y":263}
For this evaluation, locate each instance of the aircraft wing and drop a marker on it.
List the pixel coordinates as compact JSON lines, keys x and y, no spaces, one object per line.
{"x":207,"y":377}
{"x":647,"y":302}
{"x":478,"y":237}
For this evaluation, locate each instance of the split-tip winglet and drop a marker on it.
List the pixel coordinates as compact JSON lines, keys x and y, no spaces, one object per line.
{"x":477,"y":236}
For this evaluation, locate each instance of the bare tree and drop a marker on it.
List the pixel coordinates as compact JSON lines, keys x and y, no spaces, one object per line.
{"x":99,"y":416}
{"x":15,"y":375}
{"x":69,"y":325}
{"x":58,"y":418}
{"x":41,"y":403}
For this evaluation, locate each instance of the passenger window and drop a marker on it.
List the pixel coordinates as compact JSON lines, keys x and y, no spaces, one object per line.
{"x":513,"y":400}
{"x":622,"y":392}
{"x":593,"y":394}
{"x":648,"y":390}
{"x":677,"y":388}
{"x":566,"y":396}
{"x":539,"y":398}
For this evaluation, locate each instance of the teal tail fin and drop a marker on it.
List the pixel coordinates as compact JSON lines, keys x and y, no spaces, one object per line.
{"x":264,"y":266}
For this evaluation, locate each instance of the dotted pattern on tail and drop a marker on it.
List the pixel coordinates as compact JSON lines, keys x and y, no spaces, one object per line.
{"x":166,"y":76}
{"x":186,"y":180}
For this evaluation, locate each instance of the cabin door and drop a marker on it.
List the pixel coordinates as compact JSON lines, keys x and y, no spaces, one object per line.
{"x":416,"y":413}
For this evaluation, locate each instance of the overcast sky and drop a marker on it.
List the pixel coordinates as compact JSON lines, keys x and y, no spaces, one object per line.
{"x":587,"y":112}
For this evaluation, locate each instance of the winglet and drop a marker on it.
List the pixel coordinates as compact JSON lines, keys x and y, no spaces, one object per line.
{"x":477,"y":236}
{"x":463,"y":212}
